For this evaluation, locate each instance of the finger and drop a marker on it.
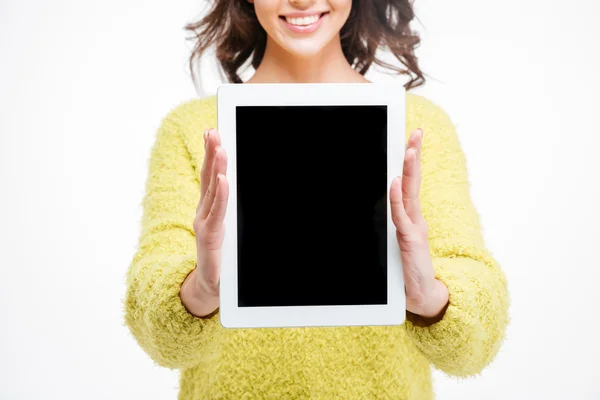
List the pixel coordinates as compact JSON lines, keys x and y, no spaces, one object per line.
{"x":215,"y":218}
{"x":219,"y":166}
{"x":416,"y":140}
{"x":399,"y":216}
{"x":413,"y":139}
{"x":211,"y":140}
{"x":419,"y":171}
{"x":410,"y":180}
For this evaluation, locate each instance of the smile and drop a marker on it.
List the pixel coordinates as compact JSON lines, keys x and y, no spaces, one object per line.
{"x":303,"y":23}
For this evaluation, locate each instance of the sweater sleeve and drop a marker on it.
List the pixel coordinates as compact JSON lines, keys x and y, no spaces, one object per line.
{"x":166,"y":254}
{"x":472,"y":330}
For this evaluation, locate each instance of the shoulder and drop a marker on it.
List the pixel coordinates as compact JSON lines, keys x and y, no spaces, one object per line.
{"x":186,"y":122}
{"x":419,"y":107}
{"x":192,"y":113}
{"x":441,"y":140}
{"x":438,"y":127}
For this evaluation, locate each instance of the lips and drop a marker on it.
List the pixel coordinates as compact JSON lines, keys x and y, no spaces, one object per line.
{"x":303,"y":23}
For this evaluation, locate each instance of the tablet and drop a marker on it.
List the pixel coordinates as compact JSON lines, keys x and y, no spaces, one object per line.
{"x":309,"y":239}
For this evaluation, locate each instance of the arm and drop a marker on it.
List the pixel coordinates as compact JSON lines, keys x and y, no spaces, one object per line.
{"x":166,"y":254}
{"x":472,"y":328}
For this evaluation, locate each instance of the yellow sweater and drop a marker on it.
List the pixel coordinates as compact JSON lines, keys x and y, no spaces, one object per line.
{"x":315,"y":363}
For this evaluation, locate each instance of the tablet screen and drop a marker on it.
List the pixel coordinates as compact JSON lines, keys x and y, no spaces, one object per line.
{"x":311,"y":204}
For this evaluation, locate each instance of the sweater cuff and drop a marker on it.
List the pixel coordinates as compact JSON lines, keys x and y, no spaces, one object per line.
{"x":178,"y":336}
{"x":457,"y":343}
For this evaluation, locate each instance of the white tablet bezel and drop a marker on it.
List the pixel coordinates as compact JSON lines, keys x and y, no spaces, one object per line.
{"x":229,"y":96}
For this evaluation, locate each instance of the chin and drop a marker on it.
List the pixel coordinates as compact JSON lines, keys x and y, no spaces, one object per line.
{"x":304,"y":49}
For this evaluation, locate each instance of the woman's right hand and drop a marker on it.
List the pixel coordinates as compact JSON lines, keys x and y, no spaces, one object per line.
{"x":200,"y":291}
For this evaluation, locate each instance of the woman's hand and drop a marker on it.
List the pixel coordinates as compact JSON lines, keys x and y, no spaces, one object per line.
{"x":426,"y":297}
{"x":200,"y":290}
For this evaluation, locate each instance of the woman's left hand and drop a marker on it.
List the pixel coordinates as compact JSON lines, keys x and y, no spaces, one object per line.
{"x":426,"y":296}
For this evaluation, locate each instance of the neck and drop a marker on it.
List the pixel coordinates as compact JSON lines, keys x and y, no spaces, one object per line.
{"x":328,"y":66}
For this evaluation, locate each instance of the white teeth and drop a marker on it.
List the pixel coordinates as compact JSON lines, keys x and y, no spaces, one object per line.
{"x":303,"y":21}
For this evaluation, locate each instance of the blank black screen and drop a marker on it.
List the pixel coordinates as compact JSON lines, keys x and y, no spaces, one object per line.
{"x":311,"y":204}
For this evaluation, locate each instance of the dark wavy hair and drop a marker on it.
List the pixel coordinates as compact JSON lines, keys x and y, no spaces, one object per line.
{"x":233,"y":28}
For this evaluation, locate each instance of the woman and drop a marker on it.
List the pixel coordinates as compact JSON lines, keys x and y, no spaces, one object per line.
{"x":457,"y":298}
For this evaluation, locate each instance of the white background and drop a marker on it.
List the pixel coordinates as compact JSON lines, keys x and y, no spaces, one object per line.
{"x":84,"y":84}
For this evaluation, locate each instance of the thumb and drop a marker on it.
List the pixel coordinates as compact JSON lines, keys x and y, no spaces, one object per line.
{"x":209,"y":267}
{"x":399,"y":215}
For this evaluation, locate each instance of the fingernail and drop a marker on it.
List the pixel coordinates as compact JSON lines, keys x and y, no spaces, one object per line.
{"x":421,"y":131}
{"x":218,"y":179}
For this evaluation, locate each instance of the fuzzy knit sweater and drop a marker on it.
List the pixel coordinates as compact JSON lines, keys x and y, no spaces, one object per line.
{"x":312,"y":363}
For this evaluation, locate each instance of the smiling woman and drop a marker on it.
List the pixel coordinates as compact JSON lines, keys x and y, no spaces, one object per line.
{"x":245,"y":30}
{"x":456,"y":293}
